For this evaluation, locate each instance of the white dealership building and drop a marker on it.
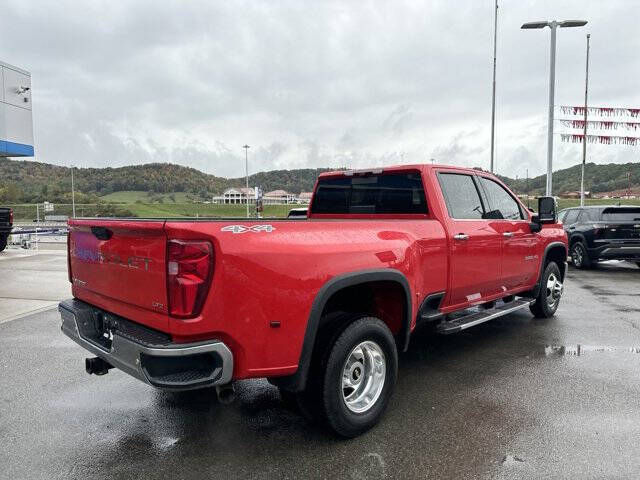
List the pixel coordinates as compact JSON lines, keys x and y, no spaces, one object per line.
{"x":244,"y":195}
{"x":16,"y":123}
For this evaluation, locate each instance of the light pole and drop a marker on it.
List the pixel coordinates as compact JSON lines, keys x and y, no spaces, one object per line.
{"x":246,"y":169}
{"x":73,"y":196}
{"x":553,"y":25}
{"x":493,"y":96}
{"x":584,"y":139}
{"x":527,"y":188}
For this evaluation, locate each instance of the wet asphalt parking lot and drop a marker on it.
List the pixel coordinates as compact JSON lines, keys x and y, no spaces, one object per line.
{"x":513,"y":398}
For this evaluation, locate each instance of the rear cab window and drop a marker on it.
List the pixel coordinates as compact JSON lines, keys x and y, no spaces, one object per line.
{"x":392,"y":193}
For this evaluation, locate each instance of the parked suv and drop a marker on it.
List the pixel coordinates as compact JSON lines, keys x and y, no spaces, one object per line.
{"x":602,"y":233}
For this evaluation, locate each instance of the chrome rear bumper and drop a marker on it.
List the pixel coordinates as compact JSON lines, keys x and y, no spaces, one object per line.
{"x":144,"y":354}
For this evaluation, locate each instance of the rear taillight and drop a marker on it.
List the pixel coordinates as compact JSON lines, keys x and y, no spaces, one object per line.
{"x":189,"y":272}
{"x":600,"y":229}
{"x":10,"y":216}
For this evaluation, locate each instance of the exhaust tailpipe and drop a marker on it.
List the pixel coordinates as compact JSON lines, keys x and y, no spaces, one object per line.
{"x":226,"y":393}
{"x":97,"y":366}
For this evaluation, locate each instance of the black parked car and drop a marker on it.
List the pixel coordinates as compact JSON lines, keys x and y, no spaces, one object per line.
{"x":6,"y":222}
{"x":602,"y":233}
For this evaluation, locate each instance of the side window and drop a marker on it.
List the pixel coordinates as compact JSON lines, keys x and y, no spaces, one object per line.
{"x":501,"y":203}
{"x":561,"y":216}
{"x":590,"y":215}
{"x":571,"y":217}
{"x":461,"y":196}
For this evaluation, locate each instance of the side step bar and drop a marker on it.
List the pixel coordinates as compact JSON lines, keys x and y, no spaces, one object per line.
{"x":467,"y":321}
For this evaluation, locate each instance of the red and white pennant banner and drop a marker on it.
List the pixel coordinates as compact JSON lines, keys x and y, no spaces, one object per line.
{"x":601,"y":111}
{"x":600,"y":124}
{"x":604,"y":139}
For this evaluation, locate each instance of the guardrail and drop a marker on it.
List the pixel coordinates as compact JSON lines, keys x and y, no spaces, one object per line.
{"x":34,"y":212}
{"x":25,"y":213}
{"x":39,"y":224}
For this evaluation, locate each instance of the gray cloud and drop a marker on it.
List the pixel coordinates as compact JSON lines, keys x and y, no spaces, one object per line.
{"x":310,"y":84}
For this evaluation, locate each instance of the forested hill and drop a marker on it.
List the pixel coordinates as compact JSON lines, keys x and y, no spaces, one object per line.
{"x":598,"y":178}
{"x":27,"y":181}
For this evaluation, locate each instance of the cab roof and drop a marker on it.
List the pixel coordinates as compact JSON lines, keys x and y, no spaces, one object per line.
{"x":392,"y":168}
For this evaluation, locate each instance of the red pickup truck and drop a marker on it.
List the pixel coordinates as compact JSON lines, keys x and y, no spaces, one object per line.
{"x":321,"y":306}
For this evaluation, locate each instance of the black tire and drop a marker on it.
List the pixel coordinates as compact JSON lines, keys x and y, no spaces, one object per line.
{"x":309,"y":401}
{"x":638,"y":264}
{"x":580,"y":256}
{"x":543,"y":307}
{"x":3,"y":243}
{"x":366,"y":332}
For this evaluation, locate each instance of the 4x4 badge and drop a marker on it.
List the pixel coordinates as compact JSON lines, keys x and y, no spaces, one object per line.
{"x":244,"y":229}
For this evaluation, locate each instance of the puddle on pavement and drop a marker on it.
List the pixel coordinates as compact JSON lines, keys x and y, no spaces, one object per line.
{"x":511,"y":460}
{"x":579,"y":350}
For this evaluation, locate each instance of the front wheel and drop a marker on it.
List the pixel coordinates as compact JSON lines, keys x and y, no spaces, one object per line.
{"x":3,"y":243}
{"x":359,"y":377}
{"x":580,"y":256}
{"x":550,"y":293}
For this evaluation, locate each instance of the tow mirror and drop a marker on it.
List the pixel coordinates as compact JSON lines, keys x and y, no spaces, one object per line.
{"x":547,"y":210}
{"x":535,"y":223}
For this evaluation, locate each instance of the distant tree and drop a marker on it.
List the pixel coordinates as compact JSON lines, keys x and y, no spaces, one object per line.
{"x":11,"y":193}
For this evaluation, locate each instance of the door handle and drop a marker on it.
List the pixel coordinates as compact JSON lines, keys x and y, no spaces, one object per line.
{"x":461,"y":236}
{"x":507,"y":234}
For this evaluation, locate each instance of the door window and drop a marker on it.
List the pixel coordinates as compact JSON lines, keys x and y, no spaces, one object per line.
{"x":571,"y":217}
{"x":591,"y":215}
{"x":501,"y":203}
{"x":561,"y":216}
{"x":461,"y":196}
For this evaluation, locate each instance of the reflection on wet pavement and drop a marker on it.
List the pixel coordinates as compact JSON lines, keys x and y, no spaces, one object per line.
{"x":577,"y":350}
{"x":511,"y":460}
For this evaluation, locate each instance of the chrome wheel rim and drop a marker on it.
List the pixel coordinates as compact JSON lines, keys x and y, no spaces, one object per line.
{"x":554,"y":290}
{"x":577,"y":255}
{"x":363,"y":376}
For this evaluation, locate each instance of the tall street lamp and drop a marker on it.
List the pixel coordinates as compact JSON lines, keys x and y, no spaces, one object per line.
{"x":584,"y":137}
{"x":493,"y":96}
{"x":552,"y":80}
{"x":73,"y":195}
{"x":246,"y":169}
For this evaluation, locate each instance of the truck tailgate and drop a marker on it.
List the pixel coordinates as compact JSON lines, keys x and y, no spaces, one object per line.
{"x":119,"y":261}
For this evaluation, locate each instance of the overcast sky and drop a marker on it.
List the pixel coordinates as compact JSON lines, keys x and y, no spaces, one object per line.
{"x":313,"y":84}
